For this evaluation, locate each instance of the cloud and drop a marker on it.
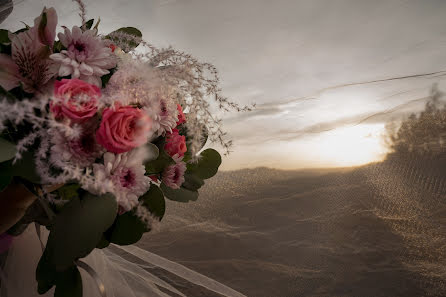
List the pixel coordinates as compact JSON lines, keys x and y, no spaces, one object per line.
{"x":269,"y":109}
{"x":392,"y":114}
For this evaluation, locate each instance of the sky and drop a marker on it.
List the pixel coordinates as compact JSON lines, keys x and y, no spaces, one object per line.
{"x":292,"y":59}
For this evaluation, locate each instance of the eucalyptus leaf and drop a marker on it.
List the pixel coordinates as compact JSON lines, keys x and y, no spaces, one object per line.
{"x":103,"y":243}
{"x":78,"y":228}
{"x":26,"y":168}
{"x":154,"y":201}
{"x":207,"y":166}
{"x":127,"y":229}
{"x":69,"y":283}
{"x":45,"y":274}
{"x":192,"y":182}
{"x":68,"y":191}
{"x":7,"y":150}
{"x":133,"y":39}
{"x":180,"y":195}
{"x":5,"y":174}
{"x":157,"y":166}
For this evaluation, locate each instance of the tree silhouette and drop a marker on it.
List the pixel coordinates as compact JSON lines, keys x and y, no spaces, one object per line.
{"x":421,"y":138}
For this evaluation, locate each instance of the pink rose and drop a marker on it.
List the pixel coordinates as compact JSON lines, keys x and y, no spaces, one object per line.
{"x":181,"y":116}
{"x":123,"y":128}
{"x":175,"y":144}
{"x":77,"y":100}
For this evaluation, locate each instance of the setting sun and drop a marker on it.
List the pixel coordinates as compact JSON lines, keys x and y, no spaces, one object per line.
{"x":352,"y":145}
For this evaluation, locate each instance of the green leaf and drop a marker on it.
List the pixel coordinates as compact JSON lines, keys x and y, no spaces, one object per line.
{"x":157,"y":166}
{"x":26,"y":168}
{"x":7,"y":150}
{"x":69,"y":283}
{"x":4,"y":38}
{"x":78,"y":228}
{"x":154,"y":201}
{"x":131,"y":42}
{"x":58,"y":46}
{"x":105,"y":78}
{"x":192,"y":182}
{"x":128,"y":229}
{"x":103,"y":243}
{"x":5,"y":174}
{"x":89,"y":24}
{"x":5,"y":49}
{"x":207,"y":166}
{"x":68,"y":191}
{"x":45,"y":274}
{"x":180,"y":195}
{"x":7,"y":94}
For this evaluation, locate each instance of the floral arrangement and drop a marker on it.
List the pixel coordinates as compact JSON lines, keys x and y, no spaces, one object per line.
{"x":101,"y":128}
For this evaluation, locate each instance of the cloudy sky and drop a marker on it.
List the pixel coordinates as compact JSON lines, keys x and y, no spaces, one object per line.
{"x":291,"y":58}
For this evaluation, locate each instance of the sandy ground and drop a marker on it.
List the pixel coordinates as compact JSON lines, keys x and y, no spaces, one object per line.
{"x":373,"y":231}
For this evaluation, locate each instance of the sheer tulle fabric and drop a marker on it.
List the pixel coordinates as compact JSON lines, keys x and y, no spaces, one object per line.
{"x":121,"y":277}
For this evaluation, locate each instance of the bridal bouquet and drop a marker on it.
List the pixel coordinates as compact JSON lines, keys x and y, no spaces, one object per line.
{"x":101,"y":128}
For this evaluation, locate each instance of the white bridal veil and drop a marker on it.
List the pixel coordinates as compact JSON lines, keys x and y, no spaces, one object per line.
{"x":120,"y":277}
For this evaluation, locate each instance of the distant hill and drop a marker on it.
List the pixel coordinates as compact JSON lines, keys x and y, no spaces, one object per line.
{"x":376,"y":230}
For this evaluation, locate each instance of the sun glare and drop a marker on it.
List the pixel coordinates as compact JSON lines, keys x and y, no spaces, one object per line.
{"x":350,"y":146}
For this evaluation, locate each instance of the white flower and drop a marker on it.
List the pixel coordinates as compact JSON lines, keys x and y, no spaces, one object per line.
{"x":126,"y":172}
{"x":134,"y":83}
{"x":173,"y":175}
{"x":80,"y":151}
{"x":87,"y":56}
{"x":164,"y":116}
{"x":139,"y":83}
